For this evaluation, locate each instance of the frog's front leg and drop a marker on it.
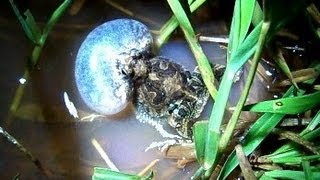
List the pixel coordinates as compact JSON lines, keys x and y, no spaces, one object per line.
{"x":181,"y":116}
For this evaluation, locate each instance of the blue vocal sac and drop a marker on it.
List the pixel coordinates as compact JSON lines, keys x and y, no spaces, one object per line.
{"x":103,"y":60}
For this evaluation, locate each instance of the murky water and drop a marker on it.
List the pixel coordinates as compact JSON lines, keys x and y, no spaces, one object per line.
{"x":43,"y":124}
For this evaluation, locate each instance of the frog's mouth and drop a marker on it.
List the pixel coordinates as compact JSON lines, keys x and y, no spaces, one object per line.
{"x":134,"y":65}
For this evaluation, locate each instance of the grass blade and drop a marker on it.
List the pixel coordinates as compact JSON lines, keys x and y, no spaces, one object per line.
{"x":312,"y":125}
{"x":202,"y":60}
{"x":284,"y":66}
{"x":307,"y":170}
{"x":200,"y":129}
{"x":245,"y":92}
{"x":237,"y":61}
{"x":294,"y":160}
{"x":172,"y":24}
{"x":288,"y":174}
{"x":290,"y":105}
{"x":104,"y":173}
{"x":257,"y":133}
{"x":297,"y":139}
{"x":253,"y":139}
{"x":257,"y":14}
{"x":240,"y":24}
{"x":290,"y":148}
{"x":28,"y":26}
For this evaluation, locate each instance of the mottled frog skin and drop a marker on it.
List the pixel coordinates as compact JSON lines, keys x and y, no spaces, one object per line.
{"x":170,"y":93}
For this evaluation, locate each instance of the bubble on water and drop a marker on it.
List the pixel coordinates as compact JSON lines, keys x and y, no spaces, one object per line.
{"x":22,"y":80}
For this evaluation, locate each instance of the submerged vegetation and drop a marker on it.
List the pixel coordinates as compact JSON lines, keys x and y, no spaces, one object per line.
{"x":254,"y":31}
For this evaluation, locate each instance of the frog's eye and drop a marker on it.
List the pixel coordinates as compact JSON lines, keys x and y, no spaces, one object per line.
{"x":124,"y":72}
{"x":127,"y":73}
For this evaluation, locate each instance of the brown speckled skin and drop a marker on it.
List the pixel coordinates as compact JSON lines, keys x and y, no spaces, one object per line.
{"x":170,"y":93}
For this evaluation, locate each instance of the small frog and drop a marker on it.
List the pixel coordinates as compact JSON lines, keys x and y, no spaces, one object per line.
{"x":169,"y":92}
{"x":115,"y":65}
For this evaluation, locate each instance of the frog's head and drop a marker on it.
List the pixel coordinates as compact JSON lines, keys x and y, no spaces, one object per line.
{"x":134,"y":65}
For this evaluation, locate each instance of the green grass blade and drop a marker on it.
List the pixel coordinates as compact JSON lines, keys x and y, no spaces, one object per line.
{"x":289,"y":153}
{"x":240,"y":24}
{"x":246,"y":13}
{"x":36,"y":33}
{"x":289,"y":148}
{"x":281,"y":62}
{"x":202,"y":60}
{"x":307,"y":170}
{"x":290,"y":105}
{"x":265,"y":177}
{"x":104,"y":173}
{"x":211,"y":149}
{"x":172,"y":24}
{"x":200,"y":129}
{"x":199,"y":174}
{"x":245,"y":92}
{"x":25,"y":25}
{"x":245,"y":50}
{"x":242,"y":55}
{"x":37,"y":49}
{"x":297,"y":139}
{"x":287,"y":160}
{"x":54,"y":18}
{"x":288,"y":174}
{"x":308,"y":134}
{"x":51,"y":22}
{"x":257,"y":14}
{"x":254,"y":137}
{"x":312,"y":134}
{"x":190,"y":1}
{"x":294,"y":160}
{"x":313,"y":124}
{"x":259,"y":130}
{"x":252,"y":140}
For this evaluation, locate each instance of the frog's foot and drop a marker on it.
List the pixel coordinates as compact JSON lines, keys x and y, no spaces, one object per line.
{"x":164,"y":145}
{"x":161,"y":145}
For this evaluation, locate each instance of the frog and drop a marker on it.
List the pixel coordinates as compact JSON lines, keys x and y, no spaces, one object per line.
{"x":115,"y":65}
{"x":168,"y":92}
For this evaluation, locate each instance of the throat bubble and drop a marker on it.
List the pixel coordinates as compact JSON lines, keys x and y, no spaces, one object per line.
{"x":98,"y":68}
